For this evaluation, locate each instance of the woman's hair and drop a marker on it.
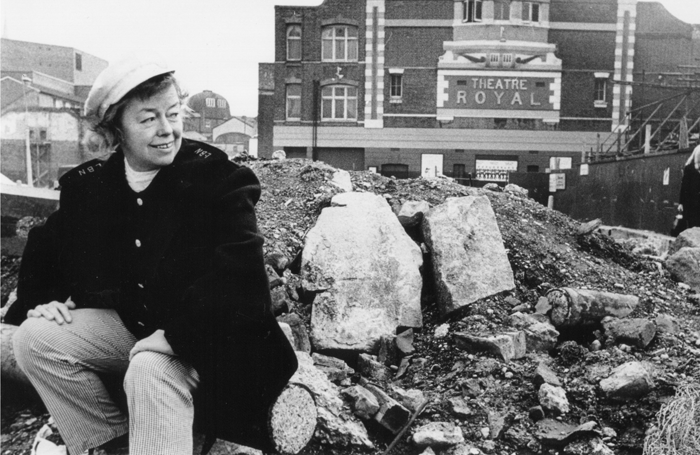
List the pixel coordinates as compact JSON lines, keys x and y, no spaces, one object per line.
{"x":105,"y":135}
{"x":694,"y":158}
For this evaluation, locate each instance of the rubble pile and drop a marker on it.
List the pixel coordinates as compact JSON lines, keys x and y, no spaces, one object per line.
{"x":434,"y":318}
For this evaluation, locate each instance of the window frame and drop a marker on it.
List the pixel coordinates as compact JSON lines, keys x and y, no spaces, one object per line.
{"x":291,"y":39}
{"x":333,"y":102}
{"x":473,"y":11}
{"x":221,"y":103}
{"x":501,"y":8}
{"x":287,"y":98}
{"x":333,"y":41}
{"x":528,"y":8}
{"x":600,"y":92}
{"x":395,"y":89}
{"x":210,"y":102}
{"x":78,"y":61}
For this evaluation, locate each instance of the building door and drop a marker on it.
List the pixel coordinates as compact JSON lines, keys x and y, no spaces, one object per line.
{"x":430,"y":165}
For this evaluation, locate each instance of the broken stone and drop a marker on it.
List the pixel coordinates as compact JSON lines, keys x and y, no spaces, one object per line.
{"x":553,"y":399}
{"x":541,"y":337}
{"x":287,"y":330}
{"x":471,"y":388}
{"x":684,"y":266}
{"x":594,"y":446}
{"x":280,"y":301}
{"x":371,"y":368}
{"x":341,"y":179}
{"x":461,"y":449}
{"x":442,"y":330}
{"x":574,"y":307}
{"x":404,"y":342}
{"x":559,"y":434}
{"x":278,"y":261}
{"x":522,"y":320}
{"x":637,"y":332}
{"x":544,"y":375}
{"x":516,"y":190}
{"x":521,"y":308}
{"x":403,"y":367}
{"x":509,"y":346}
{"x":301,"y":336}
{"x":412,"y":399}
{"x":392,"y":415}
{"x":628,"y":381}
{"x":512,"y":301}
{"x":468,"y":257}
{"x":272,"y":276}
{"x":666,"y":324}
{"x":410,"y":208}
{"x":428,"y":451}
{"x":363,"y":402}
{"x":589,"y":227}
{"x":374,"y":273}
{"x":459,"y":407}
{"x":690,"y":238}
{"x":438,"y":434}
{"x":543,"y":306}
{"x":336,"y":369}
{"x":293,"y":419}
{"x":497,"y":422}
{"x":335,"y":426}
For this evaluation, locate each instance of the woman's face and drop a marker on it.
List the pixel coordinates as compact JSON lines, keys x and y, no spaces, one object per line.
{"x":152,"y":130}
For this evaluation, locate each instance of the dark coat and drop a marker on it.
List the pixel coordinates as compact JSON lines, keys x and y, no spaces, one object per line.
{"x":184,"y":256}
{"x":690,"y":195}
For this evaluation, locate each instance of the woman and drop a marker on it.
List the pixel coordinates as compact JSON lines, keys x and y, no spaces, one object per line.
{"x":153,"y":269}
{"x":690,"y":190}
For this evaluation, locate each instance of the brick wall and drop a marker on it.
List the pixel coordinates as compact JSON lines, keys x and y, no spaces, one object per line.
{"x":414,"y":47}
{"x":419,"y":9}
{"x":598,"y":11}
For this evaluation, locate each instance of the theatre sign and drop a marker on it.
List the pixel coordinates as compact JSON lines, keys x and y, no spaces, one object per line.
{"x":499,"y":94}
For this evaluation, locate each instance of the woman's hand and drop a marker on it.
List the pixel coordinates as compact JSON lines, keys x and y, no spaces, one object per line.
{"x":54,"y":311}
{"x":156,"y":342}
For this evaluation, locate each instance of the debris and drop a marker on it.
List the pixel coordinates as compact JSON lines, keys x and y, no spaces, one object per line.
{"x":438,"y":434}
{"x":628,"y":381}
{"x":573,"y":307}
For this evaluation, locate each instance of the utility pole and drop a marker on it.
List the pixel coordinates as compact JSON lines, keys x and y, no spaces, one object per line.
{"x":28,"y":150}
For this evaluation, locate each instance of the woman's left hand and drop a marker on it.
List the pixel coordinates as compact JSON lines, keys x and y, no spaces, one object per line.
{"x":155,"y":342}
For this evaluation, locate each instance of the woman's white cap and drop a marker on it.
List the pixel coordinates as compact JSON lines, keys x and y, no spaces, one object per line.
{"x":119,"y":78}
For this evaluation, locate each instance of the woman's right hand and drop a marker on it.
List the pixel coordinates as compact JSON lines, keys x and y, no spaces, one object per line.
{"x":54,"y":311}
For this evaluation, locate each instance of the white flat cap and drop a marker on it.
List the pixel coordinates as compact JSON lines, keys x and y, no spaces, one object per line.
{"x":119,"y":78}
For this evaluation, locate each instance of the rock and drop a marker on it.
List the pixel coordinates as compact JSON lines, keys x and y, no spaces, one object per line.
{"x":371,"y":368}
{"x":509,"y":346}
{"x":690,"y":238}
{"x":272,"y":276}
{"x":336,"y":369}
{"x":280,"y":301}
{"x":521,"y":308}
{"x":497,"y":422}
{"x":512,"y":301}
{"x":559,"y":434}
{"x":543,"y":306}
{"x":341,"y":179}
{"x":493,"y":187}
{"x":576,"y":307}
{"x":278,"y":261}
{"x":521,"y":320}
{"x":536,"y":413}
{"x":335,"y":425}
{"x":553,"y":399}
{"x":404,"y":342}
{"x":411,"y":399}
{"x":628,"y":381}
{"x":461,"y":449}
{"x":279,"y":155}
{"x":293,"y":419}
{"x":428,"y":451}
{"x":541,"y":337}
{"x":471,"y":388}
{"x":666,"y":324}
{"x":589,"y":227}
{"x":287,"y":332}
{"x":373,"y":267}
{"x":392,"y":415}
{"x":438,"y":434}
{"x":301,"y":336}
{"x":637,"y":332}
{"x":410,"y":208}
{"x":458,"y":407}
{"x":544,"y":375}
{"x":595,"y":345}
{"x":516,"y":190}
{"x":594,"y":446}
{"x":363,"y":402}
{"x":684,"y":266}
{"x":442,"y":330}
{"x":468,"y":257}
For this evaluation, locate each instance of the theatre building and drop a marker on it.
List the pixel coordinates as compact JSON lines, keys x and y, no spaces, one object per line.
{"x":472,"y":89}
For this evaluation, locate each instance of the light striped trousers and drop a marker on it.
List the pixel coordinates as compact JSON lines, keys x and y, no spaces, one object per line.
{"x":63,"y":362}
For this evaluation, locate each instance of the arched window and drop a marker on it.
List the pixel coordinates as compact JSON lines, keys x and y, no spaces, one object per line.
{"x":501,"y":10}
{"x":339,"y":102}
{"x":294,"y":42}
{"x":339,"y":43}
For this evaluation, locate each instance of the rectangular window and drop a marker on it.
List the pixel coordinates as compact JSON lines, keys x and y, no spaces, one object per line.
{"x":531,"y":12}
{"x":501,"y":10}
{"x":472,"y":11}
{"x":294,"y":102}
{"x":211,"y":102}
{"x":494,"y":58}
{"x":78,"y":62}
{"x":507,"y":59}
{"x":601,"y":86}
{"x":339,"y":102}
{"x":533,"y":168}
{"x":221,"y":103}
{"x":560,"y":162}
{"x":339,"y":43}
{"x":294,"y":42}
{"x":396,"y":89}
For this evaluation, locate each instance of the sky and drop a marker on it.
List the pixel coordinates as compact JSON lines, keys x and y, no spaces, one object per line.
{"x":213,"y":44}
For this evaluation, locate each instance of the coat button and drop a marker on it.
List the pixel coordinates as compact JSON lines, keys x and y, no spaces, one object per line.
{"x":140,"y":285}
{"x":138,"y":243}
{"x":139,"y":201}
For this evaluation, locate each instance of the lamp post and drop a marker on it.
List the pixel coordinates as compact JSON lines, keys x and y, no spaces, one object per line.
{"x":28,"y":150}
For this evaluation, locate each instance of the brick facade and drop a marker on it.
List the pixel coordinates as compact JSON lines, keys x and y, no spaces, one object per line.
{"x":562,"y":60}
